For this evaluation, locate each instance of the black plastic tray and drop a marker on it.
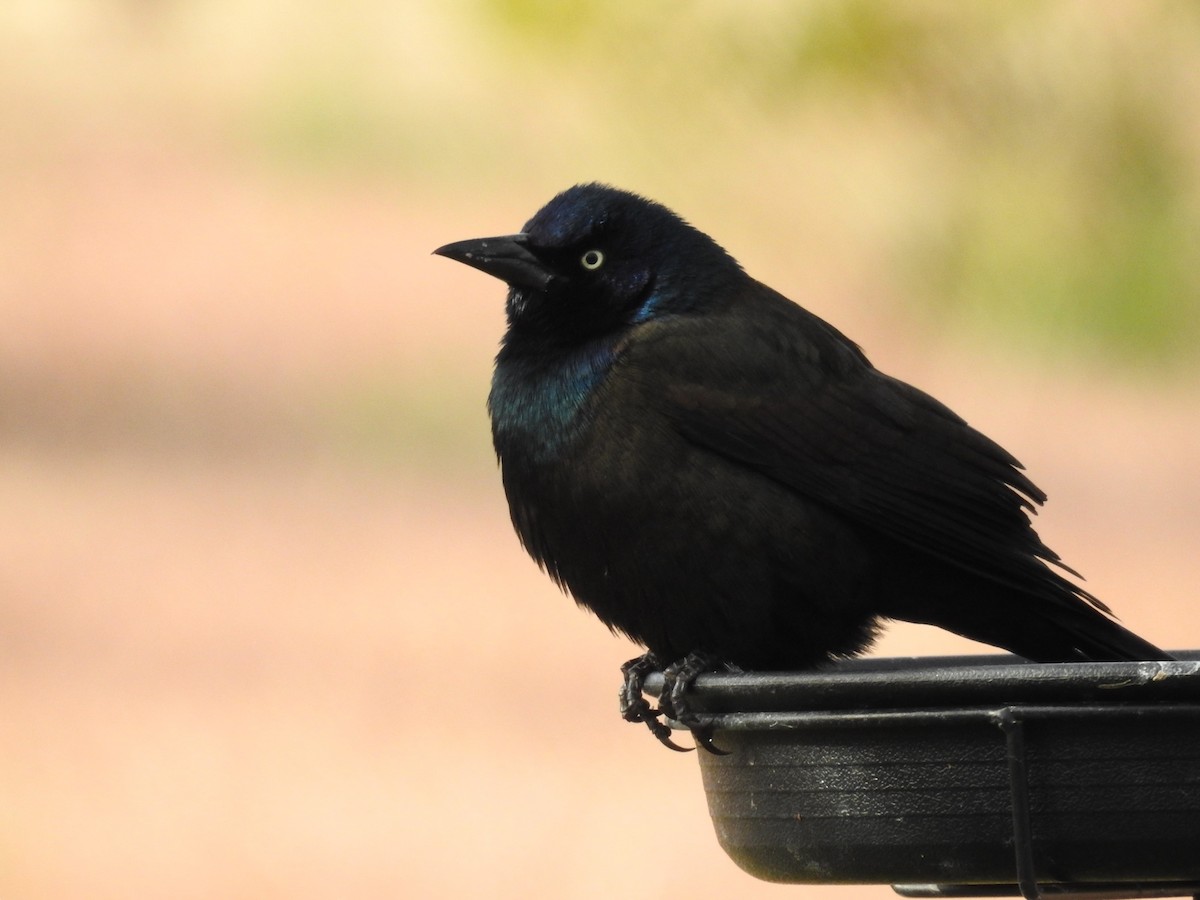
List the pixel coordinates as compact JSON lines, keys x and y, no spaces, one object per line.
{"x":960,"y":775}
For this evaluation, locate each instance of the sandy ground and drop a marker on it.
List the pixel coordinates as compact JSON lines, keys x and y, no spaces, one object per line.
{"x":250,"y":650}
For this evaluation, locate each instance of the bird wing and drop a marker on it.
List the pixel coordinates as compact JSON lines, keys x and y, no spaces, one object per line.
{"x":877,"y":451}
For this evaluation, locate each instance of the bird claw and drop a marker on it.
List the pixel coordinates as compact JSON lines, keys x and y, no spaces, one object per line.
{"x":662,"y":731}
{"x":702,"y":735}
{"x":672,"y":703}
{"x":634,"y":707}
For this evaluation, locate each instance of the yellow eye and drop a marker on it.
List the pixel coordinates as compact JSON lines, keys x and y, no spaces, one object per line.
{"x":592,"y":260}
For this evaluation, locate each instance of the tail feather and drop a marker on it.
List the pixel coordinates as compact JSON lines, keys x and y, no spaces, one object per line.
{"x":1032,"y":627}
{"x":1095,"y":636}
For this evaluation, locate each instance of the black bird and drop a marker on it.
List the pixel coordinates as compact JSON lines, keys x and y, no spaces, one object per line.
{"x":725,"y":478}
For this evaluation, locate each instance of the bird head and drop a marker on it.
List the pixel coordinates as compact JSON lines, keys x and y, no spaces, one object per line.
{"x":596,"y":260}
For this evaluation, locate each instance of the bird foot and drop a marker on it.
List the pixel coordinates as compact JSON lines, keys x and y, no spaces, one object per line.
{"x":673,"y":703}
{"x":634,"y":707}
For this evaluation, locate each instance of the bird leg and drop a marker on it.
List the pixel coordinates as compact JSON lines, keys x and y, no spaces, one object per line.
{"x":674,"y":704}
{"x":634,"y":707}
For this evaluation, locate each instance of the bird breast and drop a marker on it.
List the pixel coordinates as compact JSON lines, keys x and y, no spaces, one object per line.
{"x":535,"y":408}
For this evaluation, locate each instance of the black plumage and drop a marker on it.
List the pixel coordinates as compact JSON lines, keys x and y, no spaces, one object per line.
{"x":713,"y":470}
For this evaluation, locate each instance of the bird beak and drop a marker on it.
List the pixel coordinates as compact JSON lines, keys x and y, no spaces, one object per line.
{"x":507,"y":258}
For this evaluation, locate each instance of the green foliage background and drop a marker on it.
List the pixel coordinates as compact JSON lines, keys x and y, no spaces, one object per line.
{"x":1048,"y":152}
{"x":1024,"y":175}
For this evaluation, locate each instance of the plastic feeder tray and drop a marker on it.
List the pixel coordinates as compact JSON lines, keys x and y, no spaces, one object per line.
{"x":961,"y":776}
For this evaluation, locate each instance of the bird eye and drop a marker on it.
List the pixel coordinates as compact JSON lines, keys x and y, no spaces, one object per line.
{"x":592,"y":260}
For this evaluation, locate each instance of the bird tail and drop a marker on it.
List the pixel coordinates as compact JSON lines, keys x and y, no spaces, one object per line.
{"x":1092,"y":635}
{"x":1041,"y":629}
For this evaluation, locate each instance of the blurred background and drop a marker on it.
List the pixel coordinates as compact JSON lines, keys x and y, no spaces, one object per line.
{"x":264,"y":627}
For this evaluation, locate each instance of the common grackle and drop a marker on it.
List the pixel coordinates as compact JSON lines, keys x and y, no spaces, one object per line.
{"x":725,"y":478}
